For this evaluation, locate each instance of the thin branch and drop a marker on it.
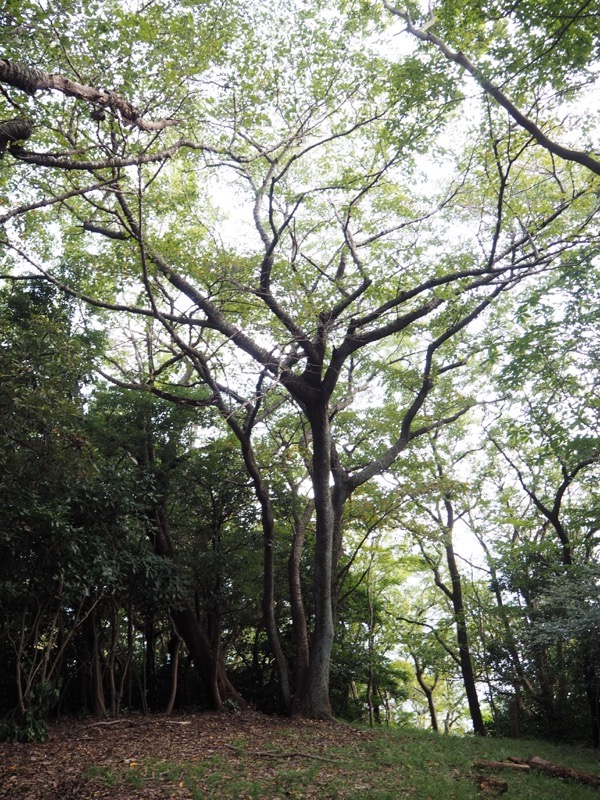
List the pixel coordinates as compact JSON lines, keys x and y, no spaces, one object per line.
{"x":23,"y":209}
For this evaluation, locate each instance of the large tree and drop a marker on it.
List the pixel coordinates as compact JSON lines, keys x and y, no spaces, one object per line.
{"x":345,"y":271}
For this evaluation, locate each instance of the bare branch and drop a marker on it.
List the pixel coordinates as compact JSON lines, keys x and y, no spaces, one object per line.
{"x":113,"y":162}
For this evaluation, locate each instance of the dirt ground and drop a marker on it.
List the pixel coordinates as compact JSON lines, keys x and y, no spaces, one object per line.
{"x":74,"y":763}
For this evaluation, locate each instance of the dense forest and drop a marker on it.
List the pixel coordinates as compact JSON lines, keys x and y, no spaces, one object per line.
{"x":299,"y":387}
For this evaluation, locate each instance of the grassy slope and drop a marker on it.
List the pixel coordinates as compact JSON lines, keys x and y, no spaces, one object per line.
{"x":423,"y":766}
{"x":315,"y":762}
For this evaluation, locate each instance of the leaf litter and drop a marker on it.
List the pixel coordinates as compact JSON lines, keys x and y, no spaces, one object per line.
{"x":160,"y":757}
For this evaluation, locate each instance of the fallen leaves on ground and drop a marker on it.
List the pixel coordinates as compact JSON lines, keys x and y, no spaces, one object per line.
{"x":137,"y":757}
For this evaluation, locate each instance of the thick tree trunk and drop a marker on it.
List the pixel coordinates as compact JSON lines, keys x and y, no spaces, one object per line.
{"x":315,"y":700}
{"x":196,"y":641}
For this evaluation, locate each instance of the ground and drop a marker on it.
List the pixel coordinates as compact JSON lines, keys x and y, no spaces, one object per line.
{"x":178,"y":756}
{"x":248,"y":756}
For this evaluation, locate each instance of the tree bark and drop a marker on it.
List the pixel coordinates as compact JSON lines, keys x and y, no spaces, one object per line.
{"x":30,"y":80}
{"x":462,"y":637}
{"x":315,"y":700}
{"x":592,"y":690}
{"x":557,"y":771}
{"x":268,"y":599}
{"x":299,"y":625}
{"x":209,"y":663}
{"x":499,"y":96}
{"x":174,"y":649}
{"x":428,"y":692}
{"x":98,"y":704}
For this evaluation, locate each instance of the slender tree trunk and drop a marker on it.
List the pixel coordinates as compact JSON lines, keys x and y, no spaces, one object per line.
{"x":462,"y":636}
{"x":521,"y":679}
{"x":19,"y":650}
{"x":299,"y":625}
{"x":96,"y":682}
{"x":150,"y":664}
{"x":268,"y":597}
{"x":261,"y":491}
{"x":428,"y":692}
{"x":339,"y":495}
{"x":214,"y":632}
{"x":129,"y":661}
{"x":174,"y":648}
{"x":112,"y":658}
{"x":371,"y":686}
{"x":592,"y":690}
{"x":210,"y":666}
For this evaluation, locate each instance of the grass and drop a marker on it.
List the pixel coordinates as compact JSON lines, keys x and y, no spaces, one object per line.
{"x":388,"y":765}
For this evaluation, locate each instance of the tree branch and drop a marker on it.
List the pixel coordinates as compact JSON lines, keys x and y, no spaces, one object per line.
{"x":491,"y":89}
{"x":30,"y":80}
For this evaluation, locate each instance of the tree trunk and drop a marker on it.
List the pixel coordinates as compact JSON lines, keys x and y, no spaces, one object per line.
{"x":592,"y":691}
{"x":297,"y":604}
{"x":114,"y":699}
{"x":209,"y":664}
{"x":98,"y":704}
{"x":462,"y":636}
{"x":261,"y":491}
{"x":196,"y":639}
{"x":315,"y":700}
{"x":211,"y":669}
{"x":515,"y":718}
{"x":428,"y":692}
{"x":174,"y":650}
{"x":129,"y":662}
{"x":268,"y":598}
{"x":150,"y":665}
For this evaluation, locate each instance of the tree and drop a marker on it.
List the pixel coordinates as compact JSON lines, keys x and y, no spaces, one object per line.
{"x":342,"y":282}
{"x":154,"y":436}
{"x":431,"y":523}
{"x":69,"y":519}
{"x":548,"y":451}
